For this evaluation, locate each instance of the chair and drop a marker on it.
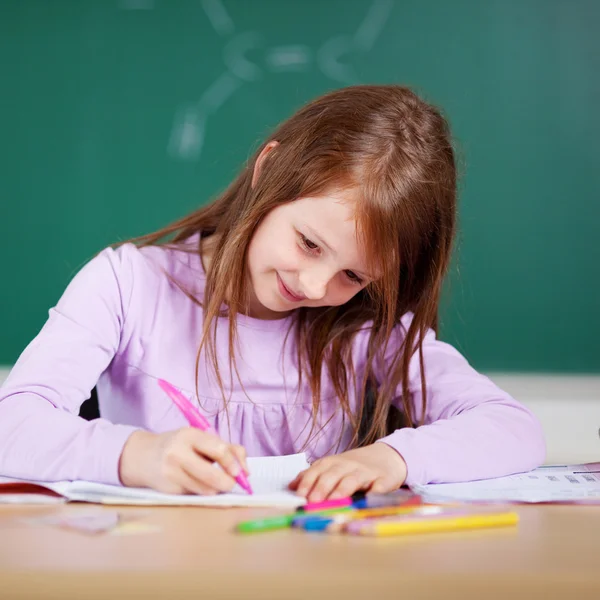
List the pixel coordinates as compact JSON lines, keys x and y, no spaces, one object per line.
{"x":89,"y":409}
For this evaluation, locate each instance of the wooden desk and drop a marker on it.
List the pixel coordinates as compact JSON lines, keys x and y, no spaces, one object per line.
{"x":553,"y":553}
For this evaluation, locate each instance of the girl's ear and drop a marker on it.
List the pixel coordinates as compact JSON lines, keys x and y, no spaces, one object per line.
{"x":260,"y":160}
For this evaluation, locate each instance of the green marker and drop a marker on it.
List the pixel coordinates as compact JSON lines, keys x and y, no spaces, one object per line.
{"x":268,"y":524}
{"x":282,"y":521}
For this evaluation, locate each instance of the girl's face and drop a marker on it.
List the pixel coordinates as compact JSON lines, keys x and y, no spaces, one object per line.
{"x":306,"y":253}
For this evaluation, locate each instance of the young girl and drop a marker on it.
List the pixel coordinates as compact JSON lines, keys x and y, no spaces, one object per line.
{"x":298,"y":311}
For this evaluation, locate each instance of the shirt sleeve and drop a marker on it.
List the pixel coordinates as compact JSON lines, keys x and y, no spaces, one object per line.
{"x":472,"y":429}
{"x":41,"y":435}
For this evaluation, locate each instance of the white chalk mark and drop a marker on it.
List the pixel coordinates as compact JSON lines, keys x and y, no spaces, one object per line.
{"x":333,"y":58}
{"x":235,"y":59}
{"x":288,"y":58}
{"x":189,"y":128}
{"x":328,"y":59}
{"x":218,"y":17}
{"x":216,"y":95}
{"x":187,"y":136}
{"x":373,"y":23}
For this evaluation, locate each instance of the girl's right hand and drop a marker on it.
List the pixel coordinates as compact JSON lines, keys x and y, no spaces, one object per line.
{"x":181,"y":462}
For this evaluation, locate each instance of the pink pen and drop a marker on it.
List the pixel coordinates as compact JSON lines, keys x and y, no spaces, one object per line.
{"x":196,"y":419}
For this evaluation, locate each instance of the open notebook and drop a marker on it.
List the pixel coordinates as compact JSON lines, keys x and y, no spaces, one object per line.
{"x":269,"y":478}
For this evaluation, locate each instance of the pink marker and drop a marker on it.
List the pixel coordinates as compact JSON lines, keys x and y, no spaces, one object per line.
{"x":326,"y":504}
{"x":196,"y":419}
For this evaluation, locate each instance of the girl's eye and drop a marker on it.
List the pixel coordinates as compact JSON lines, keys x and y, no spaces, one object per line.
{"x":353,"y":277}
{"x":308,"y":244}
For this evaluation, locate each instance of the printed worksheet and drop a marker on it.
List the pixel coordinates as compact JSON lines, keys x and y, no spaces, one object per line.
{"x":574,"y":484}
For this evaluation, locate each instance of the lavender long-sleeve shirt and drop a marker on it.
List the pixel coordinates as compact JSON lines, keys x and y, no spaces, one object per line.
{"x":121,"y":324}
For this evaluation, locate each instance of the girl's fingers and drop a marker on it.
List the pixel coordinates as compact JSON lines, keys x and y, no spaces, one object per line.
{"x":326,"y":482}
{"x":216,"y":449}
{"x":305,"y":481}
{"x":350,"y":483}
{"x":293,"y":485}
{"x":379,"y":486}
{"x":204,"y":472}
{"x":191,"y":485}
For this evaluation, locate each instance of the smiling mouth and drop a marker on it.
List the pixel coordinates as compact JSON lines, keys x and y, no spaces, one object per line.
{"x":286,"y":292}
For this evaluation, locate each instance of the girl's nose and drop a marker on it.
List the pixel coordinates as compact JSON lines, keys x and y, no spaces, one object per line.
{"x":314,"y":283}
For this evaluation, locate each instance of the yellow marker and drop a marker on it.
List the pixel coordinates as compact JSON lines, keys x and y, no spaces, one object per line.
{"x":423,"y":524}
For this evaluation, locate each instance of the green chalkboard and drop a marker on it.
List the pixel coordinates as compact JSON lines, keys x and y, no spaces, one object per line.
{"x":118,"y":116}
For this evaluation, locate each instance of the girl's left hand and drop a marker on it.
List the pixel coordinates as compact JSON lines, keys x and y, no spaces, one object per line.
{"x":376,"y":468}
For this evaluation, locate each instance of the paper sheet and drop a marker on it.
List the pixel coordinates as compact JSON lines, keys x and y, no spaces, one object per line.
{"x":573,"y":484}
{"x":269,"y":477}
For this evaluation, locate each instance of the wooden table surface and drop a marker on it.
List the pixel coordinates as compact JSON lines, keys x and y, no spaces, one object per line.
{"x":194,"y":553}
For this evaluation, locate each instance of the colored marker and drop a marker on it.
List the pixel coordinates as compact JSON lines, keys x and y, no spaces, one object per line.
{"x":326,"y":504}
{"x":397,"y":498}
{"x":336,"y":523}
{"x":267,"y":524}
{"x":362,"y":500}
{"x":302,"y":518}
{"x":280,"y":521}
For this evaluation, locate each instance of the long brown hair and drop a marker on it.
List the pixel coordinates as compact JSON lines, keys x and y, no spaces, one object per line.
{"x":394,"y":150}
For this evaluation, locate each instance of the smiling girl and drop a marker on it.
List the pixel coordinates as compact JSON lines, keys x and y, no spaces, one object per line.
{"x":298,"y":311}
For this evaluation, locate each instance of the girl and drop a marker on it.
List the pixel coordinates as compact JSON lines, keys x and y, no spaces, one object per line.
{"x":298,"y":311}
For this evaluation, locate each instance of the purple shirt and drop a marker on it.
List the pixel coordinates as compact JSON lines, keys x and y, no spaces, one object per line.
{"x":121,"y":324}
